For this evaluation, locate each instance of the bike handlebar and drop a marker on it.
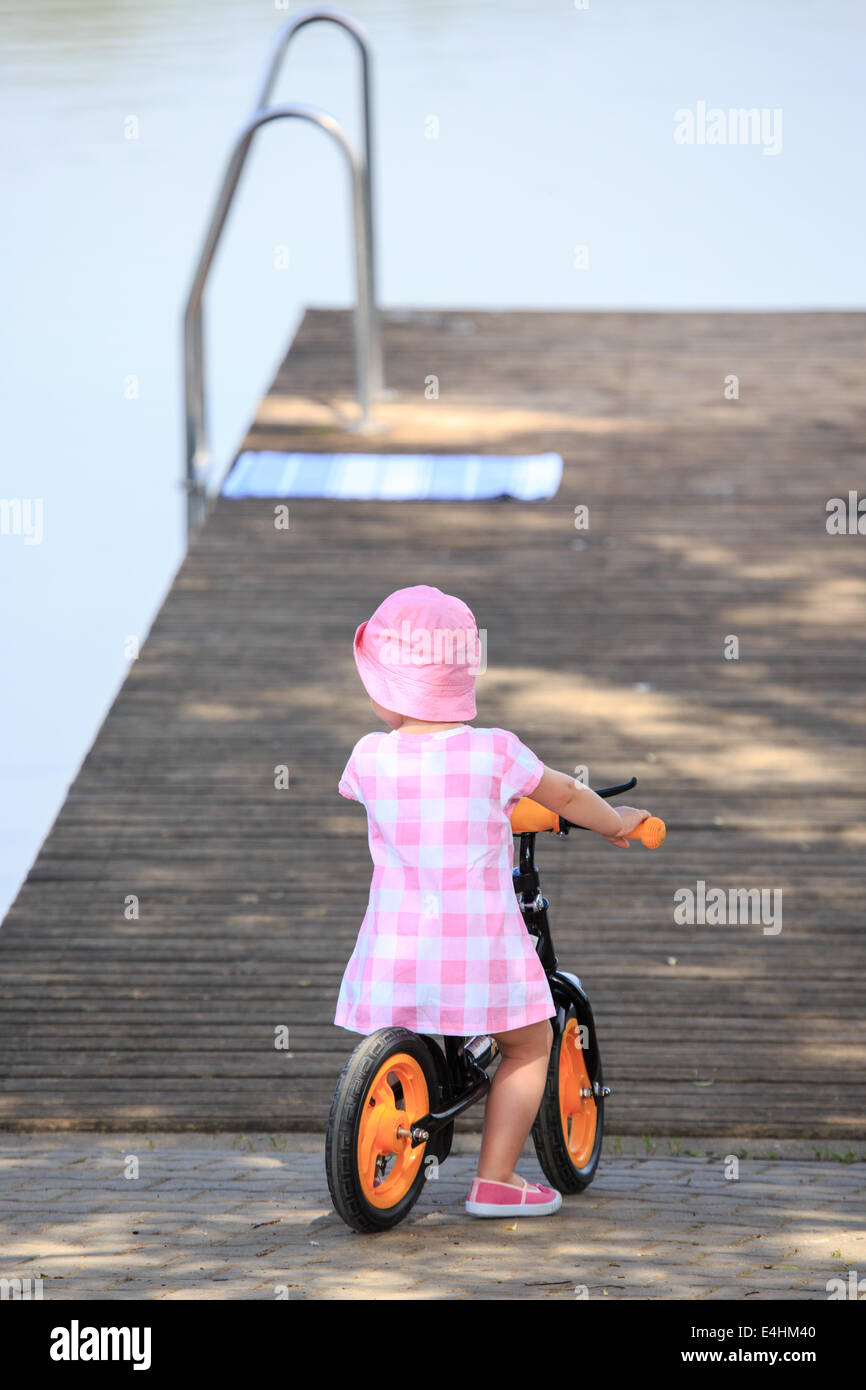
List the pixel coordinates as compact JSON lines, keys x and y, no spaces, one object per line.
{"x":530,"y":817}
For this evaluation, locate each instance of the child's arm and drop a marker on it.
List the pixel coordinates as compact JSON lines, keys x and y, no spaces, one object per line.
{"x":560,"y":793}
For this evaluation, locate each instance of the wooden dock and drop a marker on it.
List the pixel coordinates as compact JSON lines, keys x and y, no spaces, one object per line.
{"x":605,"y":648}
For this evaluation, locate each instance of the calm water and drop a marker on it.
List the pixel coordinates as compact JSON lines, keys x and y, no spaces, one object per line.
{"x":555,"y":130}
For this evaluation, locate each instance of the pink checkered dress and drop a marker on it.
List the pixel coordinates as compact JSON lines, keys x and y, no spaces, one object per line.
{"x":442,"y":948}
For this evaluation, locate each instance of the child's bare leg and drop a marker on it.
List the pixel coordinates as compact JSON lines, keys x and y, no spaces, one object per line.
{"x":513,"y":1100}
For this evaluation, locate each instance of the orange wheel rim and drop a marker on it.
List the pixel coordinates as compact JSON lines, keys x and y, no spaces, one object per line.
{"x":396,"y":1099}
{"x":577,"y":1110}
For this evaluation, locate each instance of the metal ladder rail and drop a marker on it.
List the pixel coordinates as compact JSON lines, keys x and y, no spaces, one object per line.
{"x":367,"y":339}
{"x":279,"y":49}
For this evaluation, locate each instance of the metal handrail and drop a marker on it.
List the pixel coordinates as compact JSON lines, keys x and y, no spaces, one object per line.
{"x":197,"y":451}
{"x":279,"y":48}
{"x":368,"y":359}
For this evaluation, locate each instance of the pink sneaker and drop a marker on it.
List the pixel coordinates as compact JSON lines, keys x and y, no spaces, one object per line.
{"x":488,"y":1198}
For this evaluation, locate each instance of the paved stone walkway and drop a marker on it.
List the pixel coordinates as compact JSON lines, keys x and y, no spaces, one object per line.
{"x":225,"y":1216}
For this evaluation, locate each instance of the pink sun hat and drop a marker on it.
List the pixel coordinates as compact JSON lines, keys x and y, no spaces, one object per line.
{"x":419,"y":655}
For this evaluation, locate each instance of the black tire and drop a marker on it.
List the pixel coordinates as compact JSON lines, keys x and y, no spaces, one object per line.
{"x":344,"y":1121}
{"x":548,"y":1133}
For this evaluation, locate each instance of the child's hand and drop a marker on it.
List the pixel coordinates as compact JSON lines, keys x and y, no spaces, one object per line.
{"x":631,"y":819}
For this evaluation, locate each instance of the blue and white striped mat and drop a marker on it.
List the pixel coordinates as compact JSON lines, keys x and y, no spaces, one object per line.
{"x":395,"y":477}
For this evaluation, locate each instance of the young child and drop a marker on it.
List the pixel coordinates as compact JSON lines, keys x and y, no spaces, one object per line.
{"x":443,"y":948}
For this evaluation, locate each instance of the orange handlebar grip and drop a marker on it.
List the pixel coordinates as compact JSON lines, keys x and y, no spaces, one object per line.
{"x":529,"y":815}
{"x":651,"y":832}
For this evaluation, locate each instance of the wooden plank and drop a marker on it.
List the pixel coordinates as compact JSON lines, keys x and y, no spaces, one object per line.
{"x":706,"y":518}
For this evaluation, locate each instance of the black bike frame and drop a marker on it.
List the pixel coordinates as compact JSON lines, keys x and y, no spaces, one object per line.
{"x":463,"y":1081}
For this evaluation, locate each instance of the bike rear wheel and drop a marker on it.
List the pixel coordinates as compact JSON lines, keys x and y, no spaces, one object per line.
{"x":375,"y":1176}
{"x":568,"y":1129}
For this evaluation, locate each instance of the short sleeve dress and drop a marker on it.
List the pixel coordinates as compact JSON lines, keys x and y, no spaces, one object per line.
{"x":442,"y":948}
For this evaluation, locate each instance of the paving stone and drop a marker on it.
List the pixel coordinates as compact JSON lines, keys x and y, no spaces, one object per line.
{"x":217,"y":1222}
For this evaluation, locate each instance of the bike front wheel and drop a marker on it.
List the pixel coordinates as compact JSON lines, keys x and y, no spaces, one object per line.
{"x":569,"y":1127}
{"x":375,"y":1176}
